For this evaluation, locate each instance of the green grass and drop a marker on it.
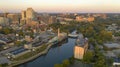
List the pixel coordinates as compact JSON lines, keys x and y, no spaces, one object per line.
{"x":30,"y":54}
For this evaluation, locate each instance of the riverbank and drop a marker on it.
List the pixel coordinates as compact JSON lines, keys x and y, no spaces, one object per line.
{"x":15,"y":63}
{"x":56,"y":54}
{"x":38,"y":52}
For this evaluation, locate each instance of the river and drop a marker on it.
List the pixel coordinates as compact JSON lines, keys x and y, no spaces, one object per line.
{"x":55,"y":55}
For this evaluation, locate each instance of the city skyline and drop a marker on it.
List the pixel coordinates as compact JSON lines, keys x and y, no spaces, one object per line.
{"x":64,"y":6}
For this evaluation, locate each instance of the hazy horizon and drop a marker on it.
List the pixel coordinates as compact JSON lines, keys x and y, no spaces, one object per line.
{"x":61,"y":6}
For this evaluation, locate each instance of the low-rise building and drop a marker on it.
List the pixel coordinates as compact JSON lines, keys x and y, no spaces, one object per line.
{"x":90,"y":19}
{"x":116,"y":62}
{"x":79,"y":18}
{"x":80,"y":47}
{"x":28,"y":38}
{"x":63,"y":22}
{"x":52,"y":19}
{"x":28,"y":46}
{"x":68,"y":19}
{"x":13,"y":17}
{"x":113,"y":27}
{"x":18,"y":52}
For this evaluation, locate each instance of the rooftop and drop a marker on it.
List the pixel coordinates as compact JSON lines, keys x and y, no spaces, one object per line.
{"x":81,"y":40}
{"x":19,"y":50}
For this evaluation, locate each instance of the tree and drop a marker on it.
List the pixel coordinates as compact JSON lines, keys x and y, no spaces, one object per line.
{"x":71,"y":60}
{"x":21,"y":33}
{"x":88,"y":57}
{"x":66,"y":63}
{"x":18,"y":43}
{"x":119,"y":55}
{"x":100,"y":62}
{"x":1,"y":48}
{"x":105,"y":36}
{"x":6,"y":30}
{"x":110,"y":61}
{"x":4,"y":65}
{"x":58,"y":65}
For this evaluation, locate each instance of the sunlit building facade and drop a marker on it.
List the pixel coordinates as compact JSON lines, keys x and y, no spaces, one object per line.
{"x":80,"y":47}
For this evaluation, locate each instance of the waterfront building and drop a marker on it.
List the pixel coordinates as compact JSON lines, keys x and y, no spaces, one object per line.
{"x":63,"y":22}
{"x":80,"y":47}
{"x":78,"y":52}
{"x":28,"y":46}
{"x":60,"y":36}
{"x":18,"y":52}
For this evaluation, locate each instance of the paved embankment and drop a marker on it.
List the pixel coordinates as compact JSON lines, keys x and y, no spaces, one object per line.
{"x":31,"y":58}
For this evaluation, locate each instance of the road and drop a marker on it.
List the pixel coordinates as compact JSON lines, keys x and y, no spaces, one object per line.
{"x":8,"y":50}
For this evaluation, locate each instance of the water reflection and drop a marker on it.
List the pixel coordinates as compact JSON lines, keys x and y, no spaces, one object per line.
{"x":56,"y":54}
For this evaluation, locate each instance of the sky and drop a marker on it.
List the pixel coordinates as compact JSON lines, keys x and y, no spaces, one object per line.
{"x":74,"y":6}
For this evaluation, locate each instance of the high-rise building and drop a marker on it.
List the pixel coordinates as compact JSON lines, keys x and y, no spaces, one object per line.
{"x":23,"y":14}
{"x":28,"y":15}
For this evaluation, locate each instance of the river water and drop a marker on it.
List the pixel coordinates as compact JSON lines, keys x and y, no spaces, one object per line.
{"x":55,"y":55}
